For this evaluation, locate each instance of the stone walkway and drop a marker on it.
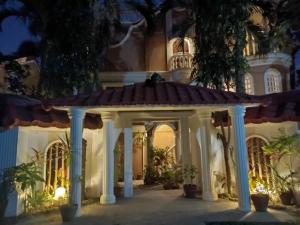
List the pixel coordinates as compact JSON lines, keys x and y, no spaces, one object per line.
{"x":158,"y":207}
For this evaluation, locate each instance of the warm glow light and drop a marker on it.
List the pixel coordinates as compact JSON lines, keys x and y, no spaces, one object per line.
{"x":60,"y":192}
{"x":260,"y":188}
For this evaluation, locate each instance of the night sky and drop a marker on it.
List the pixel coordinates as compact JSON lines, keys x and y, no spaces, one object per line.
{"x":14,"y":32}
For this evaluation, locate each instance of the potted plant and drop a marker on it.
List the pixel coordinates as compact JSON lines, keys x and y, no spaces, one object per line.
{"x":259,"y":194}
{"x":68,"y":212}
{"x":20,"y":178}
{"x":284,"y":148}
{"x":189,"y":173}
{"x":170,"y":177}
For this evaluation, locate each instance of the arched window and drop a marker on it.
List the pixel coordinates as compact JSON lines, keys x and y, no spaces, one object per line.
{"x":259,"y":163}
{"x":56,"y":166}
{"x":180,"y":47}
{"x":249,"y":86}
{"x":272,"y":81}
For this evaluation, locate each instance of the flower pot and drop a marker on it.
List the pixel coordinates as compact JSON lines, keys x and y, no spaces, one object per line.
{"x":260,"y":202}
{"x":286,"y":197}
{"x":68,"y":212}
{"x":170,"y":186}
{"x":297,"y":195}
{"x":190,"y":190}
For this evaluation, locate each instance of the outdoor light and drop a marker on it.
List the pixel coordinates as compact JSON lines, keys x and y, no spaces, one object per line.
{"x":260,"y":188}
{"x":60,"y":192}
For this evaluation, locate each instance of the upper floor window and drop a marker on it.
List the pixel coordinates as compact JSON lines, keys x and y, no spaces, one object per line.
{"x":272,"y":80}
{"x":249,"y":87}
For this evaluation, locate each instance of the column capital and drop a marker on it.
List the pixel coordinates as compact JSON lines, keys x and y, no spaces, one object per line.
{"x":106,"y":116}
{"x":204,"y":115}
{"x":76,"y":112}
{"x":238,"y":110}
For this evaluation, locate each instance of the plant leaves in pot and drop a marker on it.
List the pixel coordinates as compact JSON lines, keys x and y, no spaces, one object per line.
{"x":190,"y":189}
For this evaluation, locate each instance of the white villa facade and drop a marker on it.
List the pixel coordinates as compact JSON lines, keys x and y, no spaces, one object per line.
{"x":185,"y":122}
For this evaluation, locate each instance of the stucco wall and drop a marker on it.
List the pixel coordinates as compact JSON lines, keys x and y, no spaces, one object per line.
{"x":258,"y":73}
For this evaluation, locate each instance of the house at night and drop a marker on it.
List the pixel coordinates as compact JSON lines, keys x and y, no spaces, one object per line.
{"x":173,"y":114}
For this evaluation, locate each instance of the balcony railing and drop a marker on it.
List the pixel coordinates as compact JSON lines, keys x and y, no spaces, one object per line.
{"x":181,"y":61}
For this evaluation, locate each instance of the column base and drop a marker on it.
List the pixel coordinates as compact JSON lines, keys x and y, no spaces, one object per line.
{"x":107,"y":199}
{"x":128,"y":193}
{"x":207,"y":196}
{"x":244,"y":209}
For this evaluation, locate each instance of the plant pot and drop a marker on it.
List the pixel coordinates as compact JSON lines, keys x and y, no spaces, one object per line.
{"x":68,"y":212}
{"x":260,"y":202}
{"x":297,"y":197}
{"x":170,"y":186}
{"x":190,"y":190}
{"x":286,"y":197}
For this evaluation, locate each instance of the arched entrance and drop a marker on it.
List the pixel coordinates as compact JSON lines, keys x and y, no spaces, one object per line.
{"x":165,"y":138}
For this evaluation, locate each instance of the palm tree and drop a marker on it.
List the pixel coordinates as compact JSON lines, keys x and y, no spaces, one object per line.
{"x":74,"y":36}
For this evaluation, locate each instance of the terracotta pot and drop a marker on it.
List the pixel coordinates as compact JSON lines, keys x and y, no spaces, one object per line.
{"x":68,"y":212}
{"x":286,"y":197}
{"x":260,"y":202}
{"x":190,"y":190}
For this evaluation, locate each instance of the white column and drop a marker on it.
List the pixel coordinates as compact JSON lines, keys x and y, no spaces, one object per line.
{"x":185,"y":141}
{"x":108,"y":196}
{"x":178,"y":144}
{"x":209,"y":193}
{"x":241,"y":157}
{"x":128,"y":185}
{"x":76,"y":116}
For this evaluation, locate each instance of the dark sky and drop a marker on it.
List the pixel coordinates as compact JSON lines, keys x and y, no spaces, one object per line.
{"x":14,"y":32}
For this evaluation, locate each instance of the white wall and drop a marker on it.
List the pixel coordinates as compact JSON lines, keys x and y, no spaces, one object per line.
{"x":8,"y":158}
{"x":16,"y":147}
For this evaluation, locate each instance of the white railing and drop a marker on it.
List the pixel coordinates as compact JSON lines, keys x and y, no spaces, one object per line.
{"x":181,"y":61}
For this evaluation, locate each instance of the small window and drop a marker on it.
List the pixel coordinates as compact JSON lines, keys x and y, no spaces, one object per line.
{"x":249,"y":87}
{"x":272,"y":81}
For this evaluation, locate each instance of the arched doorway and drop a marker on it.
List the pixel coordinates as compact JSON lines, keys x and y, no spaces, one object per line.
{"x":258,"y":161}
{"x":164,"y":138}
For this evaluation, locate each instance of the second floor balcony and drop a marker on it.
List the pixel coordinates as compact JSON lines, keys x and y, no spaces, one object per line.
{"x":180,"y":60}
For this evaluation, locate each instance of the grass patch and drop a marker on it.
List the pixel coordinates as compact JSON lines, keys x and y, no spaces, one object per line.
{"x":249,"y":223}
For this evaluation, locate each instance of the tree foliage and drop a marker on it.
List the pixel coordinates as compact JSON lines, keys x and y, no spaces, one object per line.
{"x":74,"y":36}
{"x":15,"y":76}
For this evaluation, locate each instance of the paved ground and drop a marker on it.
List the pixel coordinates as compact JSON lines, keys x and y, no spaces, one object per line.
{"x":158,"y":207}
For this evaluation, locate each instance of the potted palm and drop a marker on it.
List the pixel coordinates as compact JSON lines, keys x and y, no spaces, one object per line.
{"x":189,"y":173}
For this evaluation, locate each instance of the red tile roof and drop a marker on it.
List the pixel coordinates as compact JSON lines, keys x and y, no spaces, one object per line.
{"x":158,"y":94}
{"x":24,"y":111}
{"x":276,"y":108}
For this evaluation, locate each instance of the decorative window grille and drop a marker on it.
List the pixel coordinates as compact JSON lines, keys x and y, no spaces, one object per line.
{"x":273,"y":81}
{"x":57,"y":168}
{"x":249,"y":87}
{"x":259,"y":163}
